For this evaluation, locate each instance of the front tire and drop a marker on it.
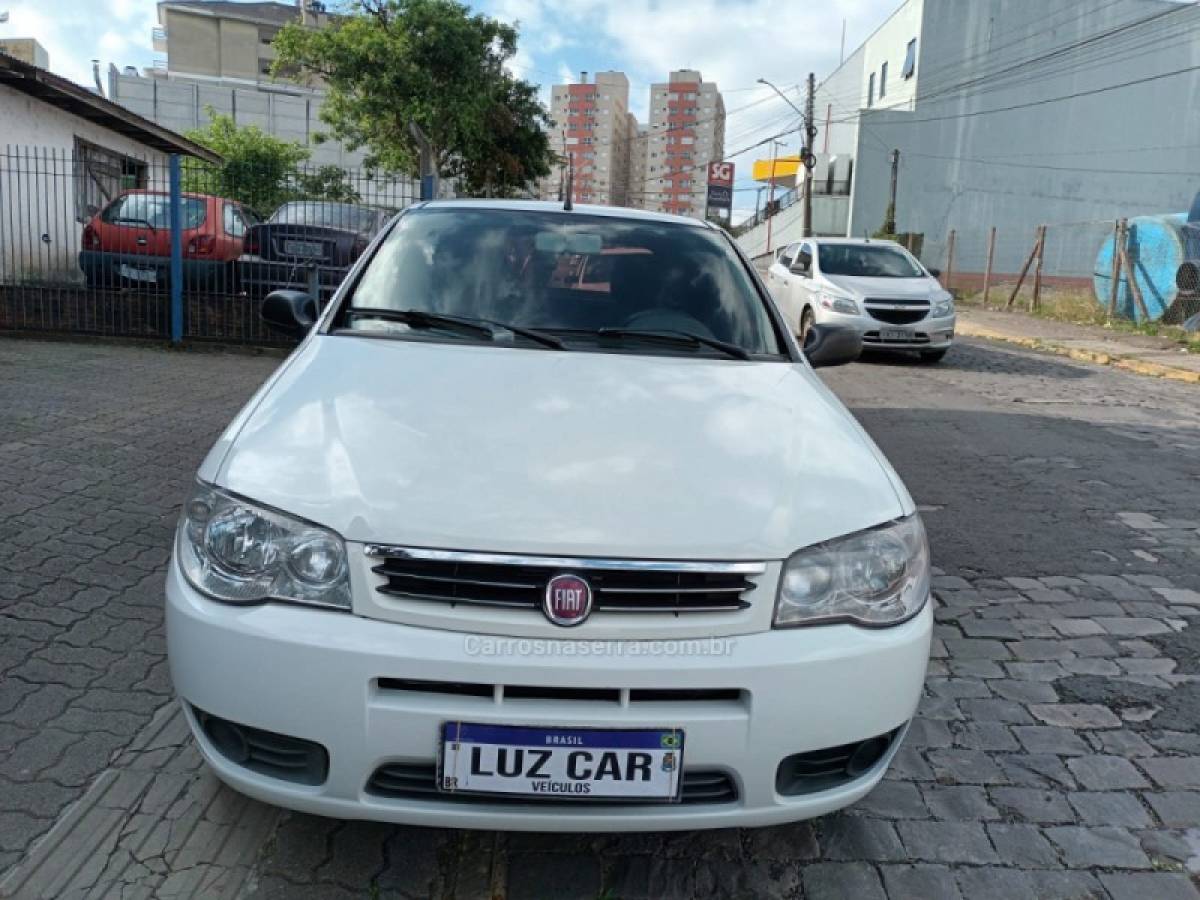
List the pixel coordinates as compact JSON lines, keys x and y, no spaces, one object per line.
{"x":932,"y":357}
{"x":807,"y":320}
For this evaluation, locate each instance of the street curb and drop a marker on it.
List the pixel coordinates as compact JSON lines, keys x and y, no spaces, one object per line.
{"x":1116,"y":360}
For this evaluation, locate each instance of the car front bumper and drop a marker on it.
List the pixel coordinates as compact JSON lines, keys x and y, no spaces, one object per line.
{"x":927,"y":334}
{"x":316,"y":675}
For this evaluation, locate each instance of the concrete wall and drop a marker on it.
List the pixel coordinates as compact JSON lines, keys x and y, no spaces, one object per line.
{"x":180,"y":104}
{"x":195,"y":42}
{"x":1076,"y":164}
{"x":888,"y":44}
{"x":39,"y":226}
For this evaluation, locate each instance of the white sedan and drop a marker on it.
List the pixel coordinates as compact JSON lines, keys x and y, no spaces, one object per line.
{"x":548,"y":524}
{"x":875,"y":287}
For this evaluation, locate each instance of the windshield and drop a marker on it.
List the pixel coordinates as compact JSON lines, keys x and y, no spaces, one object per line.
{"x":868,"y":261}
{"x":327,"y":215}
{"x":555,"y":271}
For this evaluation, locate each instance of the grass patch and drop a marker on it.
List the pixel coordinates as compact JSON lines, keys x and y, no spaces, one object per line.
{"x":1079,"y":308}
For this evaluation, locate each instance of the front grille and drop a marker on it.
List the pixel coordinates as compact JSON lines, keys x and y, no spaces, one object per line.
{"x":266,"y":752}
{"x":897,"y":311}
{"x":507,"y":692}
{"x":418,"y":781}
{"x":519,"y":582}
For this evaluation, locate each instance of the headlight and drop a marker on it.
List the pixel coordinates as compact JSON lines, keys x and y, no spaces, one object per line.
{"x":875,"y":577}
{"x":837,"y":303}
{"x":237,"y":552}
{"x":943,"y":306}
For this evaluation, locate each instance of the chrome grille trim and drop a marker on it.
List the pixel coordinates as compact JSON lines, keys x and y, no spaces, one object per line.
{"x":566,"y":562}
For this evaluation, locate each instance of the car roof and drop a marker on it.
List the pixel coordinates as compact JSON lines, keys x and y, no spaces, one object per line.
{"x":859,"y":241}
{"x":577,"y":209}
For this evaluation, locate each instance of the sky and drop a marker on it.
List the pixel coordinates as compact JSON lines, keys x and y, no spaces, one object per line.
{"x":731,"y":42}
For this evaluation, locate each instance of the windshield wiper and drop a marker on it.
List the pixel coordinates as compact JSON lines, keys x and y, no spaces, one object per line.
{"x":677,"y":338}
{"x":419,"y":318}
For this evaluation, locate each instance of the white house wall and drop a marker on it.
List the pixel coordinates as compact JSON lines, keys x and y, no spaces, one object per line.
{"x":38,"y":224}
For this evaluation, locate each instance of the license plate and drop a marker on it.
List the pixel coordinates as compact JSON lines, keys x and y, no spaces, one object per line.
{"x":135,"y":274}
{"x":304,"y":248}
{"x":895,"y":334}
{"x":561,"y":763}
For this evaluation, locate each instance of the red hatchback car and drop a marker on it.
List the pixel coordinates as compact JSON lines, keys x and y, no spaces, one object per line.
{"x":129,"y":240}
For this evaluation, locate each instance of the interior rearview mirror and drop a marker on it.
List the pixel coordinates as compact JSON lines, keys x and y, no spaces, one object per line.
{"x":292,"y":312}
{"x":936,"y":273}
{"x":832,"y":345}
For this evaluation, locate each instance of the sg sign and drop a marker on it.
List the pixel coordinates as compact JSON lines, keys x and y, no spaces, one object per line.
{"x":720,"y":174}
{"x":720,"y":185}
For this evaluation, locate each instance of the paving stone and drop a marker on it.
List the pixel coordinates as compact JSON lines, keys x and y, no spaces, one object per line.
{"x":925,"y":732}
{"x":1107,"y":847}
{"x":958,"y":688}
{"x":1132,"y":627}
{"x":539,"y":875}
{"x":1092,"y":666}
{"x":1024,"y":691}
{"x":1179,"y":595}
{"x":989,"y":628}
{"x":1099,"y":773}
{"x":960,"y":801}
{"x":1173,"y":772}
{"x":842,"y":881}
{"x":928,"y":882}
{"x":1035,"y":671}
{"x":1077,"y":627}
{"x":1007,"y":711}
{"x":995,"y":883}
{"x":1149,"y":886}
{"x":1032,"y":804}
{"x":1177,"y":809}
{"x":1121,"y":742}
{"x":1075,"y":715}
{"x":844,"y":837}
{"x":1066,"y":886}
{"x":893,"y":800}
{"x":948,"y":842}
{"x":977,"y":648}
{"x":1022,"y":846}
{"x":1110,"y":808}
{"x":965,"y":766}
{"x":985,"y":736}
{"x":1050,"y":739}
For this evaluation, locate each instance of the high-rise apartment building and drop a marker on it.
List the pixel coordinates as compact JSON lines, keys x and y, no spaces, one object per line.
{"x":687,"y":131}
{"x":591,"y":133}
{"x":619,"y":162}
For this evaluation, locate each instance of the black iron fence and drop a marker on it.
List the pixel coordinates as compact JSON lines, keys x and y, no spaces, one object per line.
{"x":92,"y":242}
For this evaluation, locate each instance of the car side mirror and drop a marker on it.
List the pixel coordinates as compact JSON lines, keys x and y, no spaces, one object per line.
{"x":800,"y":269}
{"x":292,"y":312}
{"x":832,"y":345}
{"x":936,"y":273}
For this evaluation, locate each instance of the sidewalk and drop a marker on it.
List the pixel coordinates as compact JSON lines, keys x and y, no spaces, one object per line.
{"x":1143,"y":354}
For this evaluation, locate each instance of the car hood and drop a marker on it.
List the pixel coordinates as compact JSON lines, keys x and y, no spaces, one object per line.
{"x":922,"y":288}
{"x":476,"y":447}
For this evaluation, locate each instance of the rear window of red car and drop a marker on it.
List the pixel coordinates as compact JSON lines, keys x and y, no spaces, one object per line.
{"x":154,"y":210}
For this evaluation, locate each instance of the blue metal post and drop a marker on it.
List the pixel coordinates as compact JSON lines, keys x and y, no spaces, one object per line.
{"x":176,"y":251}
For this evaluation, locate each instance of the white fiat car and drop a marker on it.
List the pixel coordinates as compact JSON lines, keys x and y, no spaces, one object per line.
{"x":548,"y":524}
{"x":875,"y":287}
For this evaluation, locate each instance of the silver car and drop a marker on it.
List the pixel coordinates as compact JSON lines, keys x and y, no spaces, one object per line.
{"x":877,"y":287}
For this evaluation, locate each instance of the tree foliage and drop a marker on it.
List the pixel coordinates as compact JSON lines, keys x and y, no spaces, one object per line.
{"x":259,"y":169}
{"x":391,"y":63}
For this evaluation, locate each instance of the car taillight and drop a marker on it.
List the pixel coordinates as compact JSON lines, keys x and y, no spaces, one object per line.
{"x":91,"y":238}
{"x":202,"y":245}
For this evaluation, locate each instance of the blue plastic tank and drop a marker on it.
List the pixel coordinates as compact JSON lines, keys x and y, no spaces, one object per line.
{"x":1156,"y":250}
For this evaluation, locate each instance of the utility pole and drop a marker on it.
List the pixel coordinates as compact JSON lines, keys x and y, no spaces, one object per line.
{"x":889,"y":219}
{"x":771,"y":194}
{"x":810,"y":132}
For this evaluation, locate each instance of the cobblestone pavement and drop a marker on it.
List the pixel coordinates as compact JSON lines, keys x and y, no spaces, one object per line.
{"x":1056,"y":753}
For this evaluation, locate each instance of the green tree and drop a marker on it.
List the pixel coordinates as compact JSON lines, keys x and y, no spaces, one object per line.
{"x":258,"y":168}
{"x":391,"y":63}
